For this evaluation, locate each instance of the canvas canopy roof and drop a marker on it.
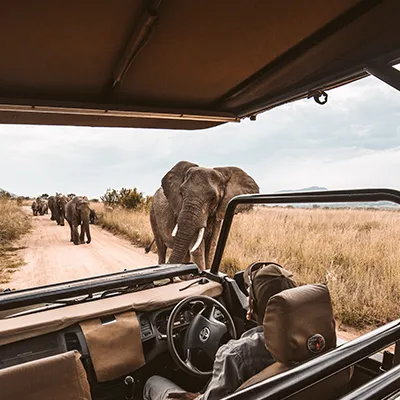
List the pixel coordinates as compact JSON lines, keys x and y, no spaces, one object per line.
{"x":185,"y":64}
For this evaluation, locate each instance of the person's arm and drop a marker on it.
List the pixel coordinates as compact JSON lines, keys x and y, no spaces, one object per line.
{"x":226,"y":374}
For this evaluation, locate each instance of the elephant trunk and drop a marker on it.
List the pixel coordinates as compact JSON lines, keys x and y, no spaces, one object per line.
{"x":190,"y":229}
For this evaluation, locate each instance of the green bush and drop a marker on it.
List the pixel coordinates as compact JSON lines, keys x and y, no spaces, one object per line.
{"x":130,"y":199}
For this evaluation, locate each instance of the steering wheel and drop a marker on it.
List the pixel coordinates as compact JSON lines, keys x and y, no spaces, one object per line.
{"x":204,"y":332}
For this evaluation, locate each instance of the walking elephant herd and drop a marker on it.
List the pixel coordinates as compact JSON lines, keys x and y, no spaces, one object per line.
{"x":186,"y":213}
{"x":75,"y":209}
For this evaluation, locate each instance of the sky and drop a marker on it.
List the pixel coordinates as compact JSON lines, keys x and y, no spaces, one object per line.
{"x":351,"y":142}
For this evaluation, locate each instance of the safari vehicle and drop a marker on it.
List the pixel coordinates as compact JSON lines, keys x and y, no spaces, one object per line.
{"x":179,"y":65}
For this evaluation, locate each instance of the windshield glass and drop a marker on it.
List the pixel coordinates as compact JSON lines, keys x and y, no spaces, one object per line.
{"x":60,"y":181}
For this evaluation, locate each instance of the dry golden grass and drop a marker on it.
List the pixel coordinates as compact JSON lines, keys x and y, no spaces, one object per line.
{"x":14,"y":222}
{"x":135,"y":225}
{"x":355,"y":252}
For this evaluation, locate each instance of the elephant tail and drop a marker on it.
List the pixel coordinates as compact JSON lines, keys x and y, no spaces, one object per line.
{"x":148,"y":248}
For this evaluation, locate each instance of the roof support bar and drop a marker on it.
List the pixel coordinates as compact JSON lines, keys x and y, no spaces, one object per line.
{"x":136,"y":42}
{"x":385,"y":73}
{"x":110,"y":111}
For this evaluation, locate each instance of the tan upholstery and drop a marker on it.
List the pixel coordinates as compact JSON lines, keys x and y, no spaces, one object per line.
{"x":295,"y":315}
{"x":60,"y":377}
{"x":298,"y":325}
{"x":26,"y":326}
{"x":115,"y":347}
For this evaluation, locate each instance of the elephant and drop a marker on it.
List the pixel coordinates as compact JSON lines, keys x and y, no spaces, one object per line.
{"x":61,"y":202}
{"x":42,"y":205}
{"x":77,"y":214}
{"x":57,"y":205}
{"x":188,"y":209}
{"x":92,"y":216}
{"x":51,"y":201}
{"x":34,"y":207}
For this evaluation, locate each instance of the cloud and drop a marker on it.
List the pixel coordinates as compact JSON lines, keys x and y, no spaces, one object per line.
{"x":352,"y":141}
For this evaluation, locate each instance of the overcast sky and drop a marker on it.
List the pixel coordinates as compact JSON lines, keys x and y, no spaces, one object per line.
{"x":351,"y":142}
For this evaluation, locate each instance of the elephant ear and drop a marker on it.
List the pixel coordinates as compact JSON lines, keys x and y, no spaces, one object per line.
{"x":237,"y":182}
{"x":172,"y":181}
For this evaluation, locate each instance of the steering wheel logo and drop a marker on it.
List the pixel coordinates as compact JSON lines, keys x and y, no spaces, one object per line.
{"x":204,"y":334}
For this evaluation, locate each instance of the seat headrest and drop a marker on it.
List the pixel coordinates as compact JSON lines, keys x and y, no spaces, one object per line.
{"x":299,"y":324}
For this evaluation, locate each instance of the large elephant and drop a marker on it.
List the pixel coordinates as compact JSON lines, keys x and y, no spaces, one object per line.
{"x":77,"y":214}
{"x":187,"y":211}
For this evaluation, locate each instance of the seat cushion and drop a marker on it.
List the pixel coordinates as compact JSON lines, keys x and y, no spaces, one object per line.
{"x":60,"y":377}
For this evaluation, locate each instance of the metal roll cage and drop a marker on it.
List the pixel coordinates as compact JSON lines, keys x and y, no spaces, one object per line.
{"x":287,"y":384}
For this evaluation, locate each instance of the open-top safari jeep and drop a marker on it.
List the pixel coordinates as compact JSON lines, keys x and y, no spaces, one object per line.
{"x":182,"y":65}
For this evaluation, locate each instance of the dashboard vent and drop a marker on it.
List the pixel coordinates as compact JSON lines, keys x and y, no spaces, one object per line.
{"x":72,"y":342}
{"x":145,"y":327}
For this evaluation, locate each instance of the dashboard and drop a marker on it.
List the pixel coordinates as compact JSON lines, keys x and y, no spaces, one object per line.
{"x":153,"y":327}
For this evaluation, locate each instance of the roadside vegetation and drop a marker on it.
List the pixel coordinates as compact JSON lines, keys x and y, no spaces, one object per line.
{"x":126,"y":211}
{"x":354,"y":251}
{"x":14,"y":223}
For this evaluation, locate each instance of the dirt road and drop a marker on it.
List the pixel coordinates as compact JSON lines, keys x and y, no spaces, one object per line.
{"x":50,"y":257}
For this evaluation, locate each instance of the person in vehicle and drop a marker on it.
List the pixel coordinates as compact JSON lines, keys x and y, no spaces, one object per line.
{"x":240,"y":359}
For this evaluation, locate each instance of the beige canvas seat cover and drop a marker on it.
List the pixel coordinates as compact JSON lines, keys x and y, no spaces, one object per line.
{"x":60,"y":377}
{"x":299,"y":325}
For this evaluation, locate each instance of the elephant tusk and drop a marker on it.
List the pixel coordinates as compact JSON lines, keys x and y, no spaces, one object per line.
{"x":198,"y":241}
{"x":175,"y":230}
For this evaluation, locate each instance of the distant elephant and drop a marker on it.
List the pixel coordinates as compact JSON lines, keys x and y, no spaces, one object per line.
{"x":34,"y":207}
{"x":187,"y":211}
{"x":61,"y":202}
{"x":92,"y":216}
{"x":42,"y":205}
{"x":77,"y":214}
{"x":53,"y":207}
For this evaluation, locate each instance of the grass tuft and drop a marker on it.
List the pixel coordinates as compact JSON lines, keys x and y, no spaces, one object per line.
{"x":14,"y":223}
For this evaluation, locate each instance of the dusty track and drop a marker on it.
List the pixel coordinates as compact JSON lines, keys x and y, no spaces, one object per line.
{"x":50,"y":257}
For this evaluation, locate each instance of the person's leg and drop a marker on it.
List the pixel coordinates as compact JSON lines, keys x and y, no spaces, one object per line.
{"x":158,"y":388}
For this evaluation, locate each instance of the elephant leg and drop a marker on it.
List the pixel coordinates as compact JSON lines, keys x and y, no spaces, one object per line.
{"x":71,"y":232}
{"x":75,"y":234}
{"x":161,"y":247}
{"x":211,"y":242}
{"x":162,"y":252}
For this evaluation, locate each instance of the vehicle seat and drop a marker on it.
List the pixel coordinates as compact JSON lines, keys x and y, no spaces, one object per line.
{"x":60,"y":377}
{"x":299,"y":325}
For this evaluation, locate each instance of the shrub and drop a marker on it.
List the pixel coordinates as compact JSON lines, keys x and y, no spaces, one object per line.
{"x":130,"y":199}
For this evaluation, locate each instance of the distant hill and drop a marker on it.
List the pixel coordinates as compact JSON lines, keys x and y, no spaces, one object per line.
{"x":380,"y":204}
